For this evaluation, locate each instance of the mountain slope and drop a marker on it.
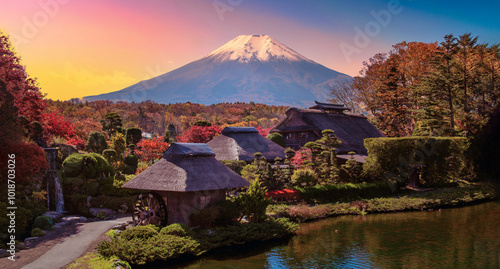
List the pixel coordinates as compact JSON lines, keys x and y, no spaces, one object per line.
{"x":254,"y":68}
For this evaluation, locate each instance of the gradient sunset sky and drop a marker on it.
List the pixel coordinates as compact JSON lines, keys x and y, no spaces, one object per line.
{"x":77,"y":48}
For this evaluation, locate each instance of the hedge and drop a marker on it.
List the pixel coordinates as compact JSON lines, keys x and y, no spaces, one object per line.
{"x":345,"y":192}
{"x":394,"y":159}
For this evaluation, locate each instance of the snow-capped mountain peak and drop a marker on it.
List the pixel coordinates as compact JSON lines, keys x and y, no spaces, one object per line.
{"x":262,"y":48}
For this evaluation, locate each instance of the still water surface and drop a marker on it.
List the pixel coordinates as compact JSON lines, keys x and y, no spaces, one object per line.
{"x":467,"y":237}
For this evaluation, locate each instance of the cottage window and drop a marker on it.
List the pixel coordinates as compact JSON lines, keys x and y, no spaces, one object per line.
{"x":204,"y":201}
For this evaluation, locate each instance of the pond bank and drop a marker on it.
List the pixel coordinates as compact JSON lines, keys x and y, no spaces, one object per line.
{"x":408,"y":201}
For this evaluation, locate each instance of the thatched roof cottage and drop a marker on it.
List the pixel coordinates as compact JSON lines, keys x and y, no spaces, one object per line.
{"x":186,"y":179}
{"x":303,"y":125}
{"x":241,"y":143}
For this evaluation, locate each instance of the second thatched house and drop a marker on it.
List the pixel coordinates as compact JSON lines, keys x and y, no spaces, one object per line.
{"x":303,"y":125}
{"x":241,"y":143}
{"x":186,"y":179}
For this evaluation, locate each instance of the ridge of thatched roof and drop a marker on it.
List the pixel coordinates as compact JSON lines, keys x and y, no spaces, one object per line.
{"x":326,"y":106}
{"x":187,"y":167}
{"x":349,"y":128}
{"x":241,"y":143}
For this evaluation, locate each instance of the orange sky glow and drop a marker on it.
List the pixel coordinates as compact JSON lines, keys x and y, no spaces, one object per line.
{"x":77,"y":48}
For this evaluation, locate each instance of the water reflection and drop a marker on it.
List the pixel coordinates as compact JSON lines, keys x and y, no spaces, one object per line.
{"x":466,"y":237}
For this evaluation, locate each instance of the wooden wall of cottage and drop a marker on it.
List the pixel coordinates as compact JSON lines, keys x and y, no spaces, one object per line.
{"x":180,"y":205}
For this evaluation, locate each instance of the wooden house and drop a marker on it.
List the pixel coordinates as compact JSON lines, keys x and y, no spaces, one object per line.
{"x":241,"y":143}
{"x":187,"y":178}
{"x":303,"y":125}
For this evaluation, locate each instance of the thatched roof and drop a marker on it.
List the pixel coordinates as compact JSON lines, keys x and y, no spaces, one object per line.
{"x":351,"y":129}
{"x":240,"y":143}
{"x":187,"y":167}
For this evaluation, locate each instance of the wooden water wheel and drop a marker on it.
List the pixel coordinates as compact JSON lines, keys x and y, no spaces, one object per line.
{"x":149,"y":208}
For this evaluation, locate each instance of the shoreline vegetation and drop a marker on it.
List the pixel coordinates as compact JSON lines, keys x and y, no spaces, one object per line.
{"x":144,"y":245}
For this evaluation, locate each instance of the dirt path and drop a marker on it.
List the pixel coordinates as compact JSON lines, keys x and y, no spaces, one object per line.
{"x":61,"y":246}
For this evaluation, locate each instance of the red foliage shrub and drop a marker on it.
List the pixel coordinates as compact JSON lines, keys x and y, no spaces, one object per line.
{"x":199,"y":134}
{"x":148,"y":150}
{"x":29,"y":159}
{"x":263,"y":132}
{"x":302,"y":157}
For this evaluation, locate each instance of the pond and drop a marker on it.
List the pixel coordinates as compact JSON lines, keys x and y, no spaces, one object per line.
{"x":467,"y":237}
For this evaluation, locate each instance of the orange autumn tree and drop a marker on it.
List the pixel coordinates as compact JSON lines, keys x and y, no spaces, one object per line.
{"x":386,"y":85}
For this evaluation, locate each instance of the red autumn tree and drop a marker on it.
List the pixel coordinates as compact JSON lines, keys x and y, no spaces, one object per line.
{"x":148,"y":150}
{"x":55,"y":125}
{"x":27,"y":97}
{"x":18,"y":96}
{"x":199,"y":134}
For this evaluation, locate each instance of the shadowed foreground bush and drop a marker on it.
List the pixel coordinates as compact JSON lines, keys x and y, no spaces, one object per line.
{"x":147,"y":245}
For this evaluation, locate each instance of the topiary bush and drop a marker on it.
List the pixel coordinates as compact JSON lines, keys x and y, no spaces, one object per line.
{"x":140,"y":232}
{"x":96,"y":142}
{"x":236,"y":166}
{"x":95,"y":166}
{"x":43,"y":222}
{"x":132,"y":162}
{"x":110,"y":155}
{"x":277,"y":138}
{"x":72,"y":165}
{"x":134,"y":135}
{"x":176,"y":229}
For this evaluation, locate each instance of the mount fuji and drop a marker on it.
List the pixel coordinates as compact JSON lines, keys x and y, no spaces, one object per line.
{"x":248,"y":68}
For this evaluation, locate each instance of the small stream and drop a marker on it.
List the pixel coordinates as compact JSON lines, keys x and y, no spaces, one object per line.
{"x":467,"y":237}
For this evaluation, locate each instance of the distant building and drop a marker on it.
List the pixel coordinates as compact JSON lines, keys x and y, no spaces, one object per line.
{"x":241,"y":143}
{"x":303,"y":125}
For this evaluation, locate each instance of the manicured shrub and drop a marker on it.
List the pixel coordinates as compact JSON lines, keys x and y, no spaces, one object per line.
{"x":132,"y":162}
{"x":134,"y":135}
{"x":90,"y":165}
{"x":351,"y":170}
{"x":96,"y":142}
{"x":37,"y":232}
{"x":445,"y":159}
{"x":72,"y":166}
{"x":95,"y":166}
{"x":304,"y":177}
{"x":43,"y":222}
{"x":119,"y":144}
{"x":110,"y":155}
{"x":176,"y":229}
{"x":277,"y":138}
{"x":156,"y":248}
{"x":236,"y":166}
{"x":140,"y":232}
